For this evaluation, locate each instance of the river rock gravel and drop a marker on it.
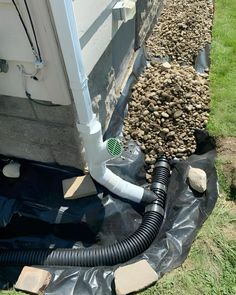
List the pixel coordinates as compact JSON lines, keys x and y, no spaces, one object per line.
{"x":170,"y":99}
{"x":167,"y":105}
{"x":184,"y":28}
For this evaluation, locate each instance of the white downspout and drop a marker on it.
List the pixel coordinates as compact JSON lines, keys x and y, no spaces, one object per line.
{"x":88,"y":126}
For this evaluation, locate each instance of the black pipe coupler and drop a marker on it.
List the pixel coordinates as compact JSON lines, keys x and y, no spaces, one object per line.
{"x":160,"y":179}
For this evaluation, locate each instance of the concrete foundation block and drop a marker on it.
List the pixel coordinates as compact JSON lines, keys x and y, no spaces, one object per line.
{"x":22,"y":130}
{"x":56,"y":114}
{"x":16,"y":107}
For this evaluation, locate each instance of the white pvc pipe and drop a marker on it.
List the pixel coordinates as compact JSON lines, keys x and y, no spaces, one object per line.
{"x":89,"y":127}
{"x":64,"y":20}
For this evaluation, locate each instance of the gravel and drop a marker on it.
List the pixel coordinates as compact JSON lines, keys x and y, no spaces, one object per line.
{"x":183,"y":29}
{"x":167,"y":105}
{"x":171,"y":100}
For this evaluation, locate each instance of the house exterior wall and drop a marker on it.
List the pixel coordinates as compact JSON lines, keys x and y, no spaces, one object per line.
{"x":97,"y":27}
{"x":51,"y":84}
{"x":48,"y":134}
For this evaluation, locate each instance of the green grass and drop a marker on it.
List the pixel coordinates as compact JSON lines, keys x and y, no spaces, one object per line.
{"x":223,"y":70}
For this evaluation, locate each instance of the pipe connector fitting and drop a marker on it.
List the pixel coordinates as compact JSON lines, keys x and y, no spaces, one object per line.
{"x":160,"y":179}
{"x":155,"y":207}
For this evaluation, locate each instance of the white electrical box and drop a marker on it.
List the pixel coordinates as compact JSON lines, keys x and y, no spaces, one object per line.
{"x":124,"y":10}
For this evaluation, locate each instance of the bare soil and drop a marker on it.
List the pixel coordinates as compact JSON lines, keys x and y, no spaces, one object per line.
{"x":226,"y":150}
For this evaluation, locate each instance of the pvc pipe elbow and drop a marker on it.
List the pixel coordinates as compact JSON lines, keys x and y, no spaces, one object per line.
{"x":121,"y":187}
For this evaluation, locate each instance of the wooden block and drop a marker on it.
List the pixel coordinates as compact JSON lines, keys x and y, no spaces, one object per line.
{"x":78,"y":187}
{"x":134,"y":277}
{"x":33,"y":280}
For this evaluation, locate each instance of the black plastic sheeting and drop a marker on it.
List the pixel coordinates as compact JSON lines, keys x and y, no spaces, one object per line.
{"x":34,"y":213}
{"x":202,"y":61}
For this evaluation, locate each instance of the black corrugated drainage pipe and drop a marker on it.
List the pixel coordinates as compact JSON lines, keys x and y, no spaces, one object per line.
{"x":116,"y":253}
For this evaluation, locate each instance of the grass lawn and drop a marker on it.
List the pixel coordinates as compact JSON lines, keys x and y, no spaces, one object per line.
{"x":211,"y":266}
{"x":223,"y":70}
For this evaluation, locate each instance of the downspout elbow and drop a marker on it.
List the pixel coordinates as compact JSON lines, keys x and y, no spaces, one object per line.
{"x":121,"y":187}
{"x":97,"y":155}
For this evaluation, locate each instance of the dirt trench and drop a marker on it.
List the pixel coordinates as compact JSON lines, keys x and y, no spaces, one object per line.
{"x":226,"y":150}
